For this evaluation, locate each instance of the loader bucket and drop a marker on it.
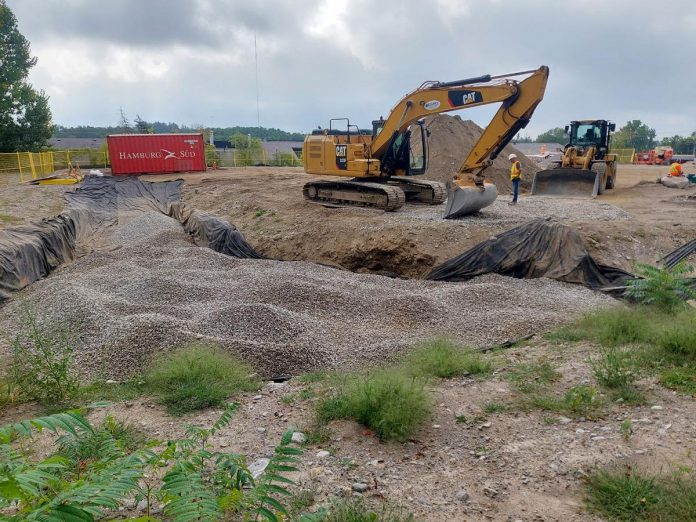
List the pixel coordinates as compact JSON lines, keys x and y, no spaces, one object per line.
{"x":464,"y":200}
{"x":566,"y":182}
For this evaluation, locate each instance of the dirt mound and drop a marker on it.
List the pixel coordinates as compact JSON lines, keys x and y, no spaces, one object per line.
{"x":452,"y":138}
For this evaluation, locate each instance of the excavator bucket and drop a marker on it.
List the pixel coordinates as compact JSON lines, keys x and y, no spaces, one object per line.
{"x":463,"y":200}
{"x":566,"y":182}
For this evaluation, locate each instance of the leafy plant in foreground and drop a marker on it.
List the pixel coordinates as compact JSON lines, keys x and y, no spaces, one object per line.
{"x":198,"y":484}
{"x":665,"y":288}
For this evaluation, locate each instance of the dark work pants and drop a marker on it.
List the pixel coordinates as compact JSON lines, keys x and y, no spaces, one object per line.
{"x":515,"y":189}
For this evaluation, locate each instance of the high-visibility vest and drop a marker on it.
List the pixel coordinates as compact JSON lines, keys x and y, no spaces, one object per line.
{"x":675,"y":169}
{"x":515,"y":170}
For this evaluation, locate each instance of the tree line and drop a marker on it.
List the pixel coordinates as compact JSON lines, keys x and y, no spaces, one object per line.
{"x":633,"y":135}
{"x":140,"y":126}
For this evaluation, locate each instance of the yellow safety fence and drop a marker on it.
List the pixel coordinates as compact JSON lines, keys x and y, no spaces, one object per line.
{"x":34,"y":165}
{"x":624,"y":155}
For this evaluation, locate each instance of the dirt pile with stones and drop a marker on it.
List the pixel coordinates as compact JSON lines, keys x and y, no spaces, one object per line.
{"x":160,"y":291}
{"x":452,"y":138}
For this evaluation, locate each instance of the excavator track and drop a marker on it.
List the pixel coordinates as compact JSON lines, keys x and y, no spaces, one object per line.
{"x":354,"y":194}
{"x":425,"y":191}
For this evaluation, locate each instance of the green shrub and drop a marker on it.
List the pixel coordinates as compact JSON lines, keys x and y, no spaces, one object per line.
{"x":390,"y":402}
{"x":614,"y":367}
{"x":580,"y":399}
{"x":443,"y":358}
{"x":664,"y":288}
{"x":628,"y":495}
{"x":198,"y":376}
{"x":41,"y":362}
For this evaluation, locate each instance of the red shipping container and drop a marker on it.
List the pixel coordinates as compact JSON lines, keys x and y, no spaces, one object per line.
{"x":156,"y":153}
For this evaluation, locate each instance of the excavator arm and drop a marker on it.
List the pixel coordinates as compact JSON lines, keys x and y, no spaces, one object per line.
{"x":467,"y":192}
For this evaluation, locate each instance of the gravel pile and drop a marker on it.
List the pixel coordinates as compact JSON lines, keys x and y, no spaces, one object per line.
{"x":159,"y":290}
{"x":136,"y":227}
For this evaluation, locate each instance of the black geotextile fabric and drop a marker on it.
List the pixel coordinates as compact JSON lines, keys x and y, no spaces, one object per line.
{"x":540,"y":248}
{"x":215,"y":233}
{"x":30,"y":252}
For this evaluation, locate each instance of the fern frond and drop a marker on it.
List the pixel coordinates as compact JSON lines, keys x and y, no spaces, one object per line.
{"x":187,"y":497}
{"x":69,"y":422}
{"x":225,"y":418}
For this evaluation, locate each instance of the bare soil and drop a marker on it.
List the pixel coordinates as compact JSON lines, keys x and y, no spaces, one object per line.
{"x":515,"y":465}
{"x":266,"y":204}
{"x":523,"y":465}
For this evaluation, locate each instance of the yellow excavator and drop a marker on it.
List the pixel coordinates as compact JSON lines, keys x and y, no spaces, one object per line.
{"x":382,"y":161}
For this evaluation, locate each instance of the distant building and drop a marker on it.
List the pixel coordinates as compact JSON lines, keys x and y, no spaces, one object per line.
{"x":76,"y":143}
{"x":538,"y":149}
{"x":273,"y":147}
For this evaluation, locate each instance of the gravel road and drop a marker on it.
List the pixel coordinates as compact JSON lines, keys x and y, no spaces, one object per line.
{"x":158,"y":291}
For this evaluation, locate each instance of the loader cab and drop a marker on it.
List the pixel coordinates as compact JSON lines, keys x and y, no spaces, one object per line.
{"x":407,"y":152}
{"x":586,"y":133}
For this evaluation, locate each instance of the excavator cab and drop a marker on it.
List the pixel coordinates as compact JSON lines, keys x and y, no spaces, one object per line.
{"x":407,"y":154}
{"x":586,"y":168}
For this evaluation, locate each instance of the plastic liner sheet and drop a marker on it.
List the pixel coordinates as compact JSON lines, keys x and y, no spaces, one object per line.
{"x":213,"y":232}
{"x":540,"y":248}
{"x":31,"y":252}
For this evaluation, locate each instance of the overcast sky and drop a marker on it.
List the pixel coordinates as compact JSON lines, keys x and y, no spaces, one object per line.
{"x":192,"y":61}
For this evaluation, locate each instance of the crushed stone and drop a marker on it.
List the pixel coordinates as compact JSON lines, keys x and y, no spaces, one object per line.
{"x":159,"y":291}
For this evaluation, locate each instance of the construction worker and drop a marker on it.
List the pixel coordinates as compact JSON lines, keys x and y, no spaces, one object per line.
{"x":676,"y":170}
{"x":515,"y":176}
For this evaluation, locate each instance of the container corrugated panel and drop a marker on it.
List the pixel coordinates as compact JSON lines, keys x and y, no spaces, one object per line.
{"x":156,"y":153}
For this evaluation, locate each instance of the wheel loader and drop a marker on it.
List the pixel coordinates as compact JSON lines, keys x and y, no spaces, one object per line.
{"x":383,"y":161}
{"x":586,"y":168}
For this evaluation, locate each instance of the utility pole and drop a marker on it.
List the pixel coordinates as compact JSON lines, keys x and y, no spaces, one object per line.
{"x":256,"y":65}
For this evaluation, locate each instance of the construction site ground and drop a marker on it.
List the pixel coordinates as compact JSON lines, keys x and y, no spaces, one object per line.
{"x":464,"y":464}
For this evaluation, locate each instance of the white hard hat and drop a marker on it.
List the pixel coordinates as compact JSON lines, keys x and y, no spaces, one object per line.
{"x":512,"y":156}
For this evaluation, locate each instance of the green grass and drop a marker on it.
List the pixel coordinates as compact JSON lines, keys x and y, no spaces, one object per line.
{"x":9,"y":219}
{"x":578,"y":401}
{"x":445,"y":359}
{"x":116,"y":392}
{"x":530,"y":377}
{"x":390,"y":402}
{"x":495,"y":407}
{"x":680,"y":379}
{"x":625,"y":494}
{"x":357,"y":510}
{"x":198,"y":376}
{"x":635,"y":340}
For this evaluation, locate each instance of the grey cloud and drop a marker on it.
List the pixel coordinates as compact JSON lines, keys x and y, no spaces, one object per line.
{"x":607,"y":59}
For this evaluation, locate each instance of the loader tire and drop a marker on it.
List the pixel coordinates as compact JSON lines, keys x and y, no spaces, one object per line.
{"x":600,"y":168}
{"x":611,"y":180}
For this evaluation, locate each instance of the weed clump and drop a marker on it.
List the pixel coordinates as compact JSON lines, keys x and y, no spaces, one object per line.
{"x":445,"y":359}
{"x":198,"y":376}
{"x":41,"y":362}
{"x":630,"y":495}
{"x":390,"y":402}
